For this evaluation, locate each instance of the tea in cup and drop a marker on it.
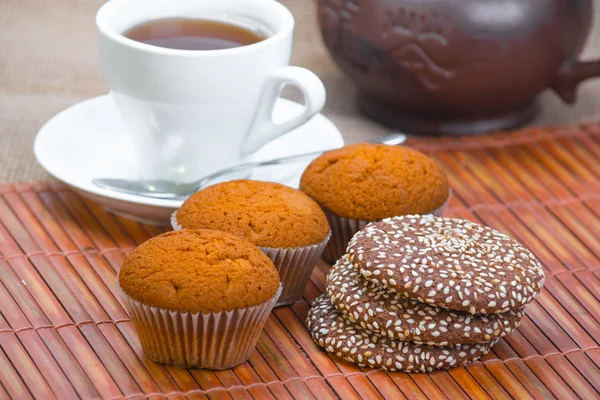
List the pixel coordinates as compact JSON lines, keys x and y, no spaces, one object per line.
{"x":196,"y":81}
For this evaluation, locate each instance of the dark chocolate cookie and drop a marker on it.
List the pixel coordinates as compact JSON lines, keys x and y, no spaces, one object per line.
{"x":449,"y":263}
{"x":339,"y":336}
{"x":392,"y":315}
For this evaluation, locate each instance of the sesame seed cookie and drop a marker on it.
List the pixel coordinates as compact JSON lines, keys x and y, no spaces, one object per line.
{"x":339,"y":336}
{"x":387,"y":313}
{"x":449,"y":263}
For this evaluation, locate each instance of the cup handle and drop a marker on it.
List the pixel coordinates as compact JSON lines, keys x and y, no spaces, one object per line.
{"x":571,"y":74}
{"x":263,"y":128}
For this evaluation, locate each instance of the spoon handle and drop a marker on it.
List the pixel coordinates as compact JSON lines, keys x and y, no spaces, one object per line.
{"x":159,"y":189}
{"x":250,"y":165}
{"x":391,"y":140}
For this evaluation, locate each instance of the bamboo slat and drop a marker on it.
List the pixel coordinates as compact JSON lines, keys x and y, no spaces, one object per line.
{"x":64,"y":333}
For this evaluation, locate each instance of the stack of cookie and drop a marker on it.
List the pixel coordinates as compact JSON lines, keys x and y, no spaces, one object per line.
{"x":419,"y":293}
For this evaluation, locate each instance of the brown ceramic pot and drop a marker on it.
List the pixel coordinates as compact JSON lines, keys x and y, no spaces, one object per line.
{"x":458,"y":66}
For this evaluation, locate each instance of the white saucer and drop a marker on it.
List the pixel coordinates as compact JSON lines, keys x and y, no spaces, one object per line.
{"x":88,"y":140}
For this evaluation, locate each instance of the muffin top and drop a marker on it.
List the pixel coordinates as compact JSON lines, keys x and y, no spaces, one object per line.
{"x":199,"y":271}
{"x":375,"y":181}
{"x":265,"y":213}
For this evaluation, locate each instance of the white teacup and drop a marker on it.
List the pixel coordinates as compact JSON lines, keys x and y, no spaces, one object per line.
{"x":193,"y":112}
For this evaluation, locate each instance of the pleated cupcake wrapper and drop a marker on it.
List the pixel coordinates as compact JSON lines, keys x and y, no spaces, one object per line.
{"x":344,"y":228}
{"x":176,"y":226}
{"x":216,"y":340}
{"x":295,"y":265}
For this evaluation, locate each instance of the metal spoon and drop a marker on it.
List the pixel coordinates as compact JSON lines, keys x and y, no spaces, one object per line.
{"x":160,"y":189}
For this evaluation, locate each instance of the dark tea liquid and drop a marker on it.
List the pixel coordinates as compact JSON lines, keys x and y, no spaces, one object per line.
{"x":192,"y":34}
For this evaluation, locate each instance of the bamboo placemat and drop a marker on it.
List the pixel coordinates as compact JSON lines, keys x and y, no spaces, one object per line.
{"x":64,"y":334}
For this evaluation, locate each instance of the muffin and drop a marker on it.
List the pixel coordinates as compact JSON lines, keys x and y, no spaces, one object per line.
{"x":361,"y":183}
{"x":286,"y":224}
{"x":198,"y":298}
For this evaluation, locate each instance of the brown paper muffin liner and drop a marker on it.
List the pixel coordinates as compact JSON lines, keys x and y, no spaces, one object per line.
{"x":216,"y":340}
{"x":295,"y":265}
{"x":342,"y":230}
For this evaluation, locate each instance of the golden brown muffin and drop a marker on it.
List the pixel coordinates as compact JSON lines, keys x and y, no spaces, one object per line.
{"x":198,"y":271}
{"x":265,"y":213}
{"x":375,"y":181}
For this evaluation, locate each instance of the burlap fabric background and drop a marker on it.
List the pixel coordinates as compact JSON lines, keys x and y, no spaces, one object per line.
{"x":49,"y":61}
